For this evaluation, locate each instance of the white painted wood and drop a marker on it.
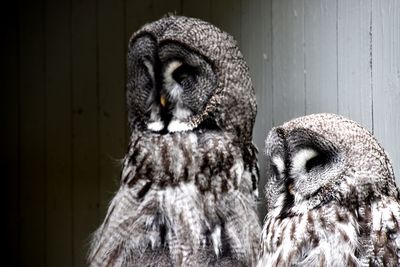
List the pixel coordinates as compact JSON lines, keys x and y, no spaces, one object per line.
{"x":256,"y":45}
{"x":320,"y":54}
{"x":386,"y":77}
{"x":354,"y":61}
{"x":288,"y":60}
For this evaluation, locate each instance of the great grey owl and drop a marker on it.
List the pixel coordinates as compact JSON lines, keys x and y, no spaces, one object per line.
{"x":189,"y":179}
{"x":331,"y":196}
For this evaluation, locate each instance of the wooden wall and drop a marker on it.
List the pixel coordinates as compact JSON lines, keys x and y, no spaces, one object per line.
{"x":62,"y":86}
{"x":311,"y":56}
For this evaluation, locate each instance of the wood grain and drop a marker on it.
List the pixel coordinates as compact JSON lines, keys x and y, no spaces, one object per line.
{"x":288,"y":60}
{"x":386,"y":77}
{"x":354,"y":61}
{"x":257,"y":49}
{"x":320,"y":53}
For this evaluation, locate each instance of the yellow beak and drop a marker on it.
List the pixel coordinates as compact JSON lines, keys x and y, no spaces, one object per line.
{"x":163,"y":101}
{"x":290,"y":189}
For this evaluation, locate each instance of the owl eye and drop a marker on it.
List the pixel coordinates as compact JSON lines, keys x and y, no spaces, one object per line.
{"x":277,"y":167}
{"x":275,"y":172}
{"x":148,"y":66}
{"x":318,"y":161}
{"x":183,"y":72}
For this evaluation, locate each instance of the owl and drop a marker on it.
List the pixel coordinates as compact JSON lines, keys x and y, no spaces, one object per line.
{"x":189,"y":179}
{"x":331,"y":196}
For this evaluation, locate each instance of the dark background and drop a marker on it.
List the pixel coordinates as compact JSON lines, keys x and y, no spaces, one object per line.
{"x":63,"y":100}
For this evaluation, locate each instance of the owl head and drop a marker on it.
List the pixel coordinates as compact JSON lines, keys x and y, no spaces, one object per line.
{"x":321,"y":158}
{"x":185,"y":74}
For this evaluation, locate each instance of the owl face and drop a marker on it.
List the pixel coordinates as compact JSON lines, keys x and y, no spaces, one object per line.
{"x":170,"y":83}
{"x":319,"y":158}
{"x":186,"y":74}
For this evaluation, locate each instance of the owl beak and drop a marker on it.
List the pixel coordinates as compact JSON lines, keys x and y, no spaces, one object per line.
{"x":163,"y":101}
{"x":291,"y":189}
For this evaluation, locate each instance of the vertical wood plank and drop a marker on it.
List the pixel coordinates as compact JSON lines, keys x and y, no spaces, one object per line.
{"x":139,"y":13}
{"x":163,"y":7}
{"x":197,"y":9}
{"x":256,"y":45}
{"x":32,"y":116}
{"x":58,"y":134}
{"x":386,"y":77}
{"x":288,"y":60}
{"x":112,"y":119}
{"x":9,"y":136}
{"x":354,"y":68}
{"x":320,"y":17}
{"x":225,"y":14}
{"x":85,"y":126}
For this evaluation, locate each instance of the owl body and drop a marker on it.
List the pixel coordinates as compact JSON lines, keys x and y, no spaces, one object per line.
{"x":189,"y":179}
{"x":331,"y":196}
{"x":311,"y":239}
{"x":185,"y":200}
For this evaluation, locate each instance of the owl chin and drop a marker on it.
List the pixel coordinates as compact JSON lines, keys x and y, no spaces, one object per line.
{"x":173,"y":127}
{"x":155,"y":126}
{"x":178,"y":126}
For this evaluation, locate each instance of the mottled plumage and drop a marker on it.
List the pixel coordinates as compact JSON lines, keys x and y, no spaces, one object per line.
{"x":189,"y":179}
{"x":331,"y":196}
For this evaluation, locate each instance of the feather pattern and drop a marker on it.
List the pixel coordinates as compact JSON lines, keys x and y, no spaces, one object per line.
{"x":177,"y":191}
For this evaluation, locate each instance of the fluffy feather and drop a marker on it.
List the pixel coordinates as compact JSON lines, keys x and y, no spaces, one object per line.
{"x":182,"y":194}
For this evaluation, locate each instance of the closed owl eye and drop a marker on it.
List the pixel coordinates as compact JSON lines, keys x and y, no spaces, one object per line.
{"x":149,"y":67}
{"x":183,"y":72}
{"x":277,"y":168}
{"x":275,"y":171}
{"x":318,"y":161}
